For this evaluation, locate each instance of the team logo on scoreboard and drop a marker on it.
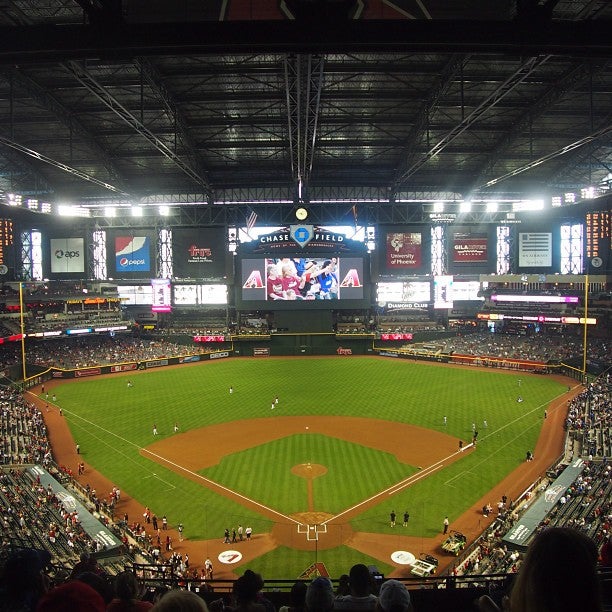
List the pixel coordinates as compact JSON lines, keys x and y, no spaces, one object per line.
{"x":301,"y":234}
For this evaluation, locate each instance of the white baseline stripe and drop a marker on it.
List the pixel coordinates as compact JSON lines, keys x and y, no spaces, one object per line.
{"x":183,"y":469}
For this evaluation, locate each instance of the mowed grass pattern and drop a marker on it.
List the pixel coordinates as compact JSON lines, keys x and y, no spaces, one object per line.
{"x":112,"y":423}
{"x":287,"y":493}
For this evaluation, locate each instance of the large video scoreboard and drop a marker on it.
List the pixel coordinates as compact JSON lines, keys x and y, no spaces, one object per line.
{"x":278,"y":273}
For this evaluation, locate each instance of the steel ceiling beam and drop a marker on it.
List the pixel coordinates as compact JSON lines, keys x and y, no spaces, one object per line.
{"x":155,"y":81}
{"x":21,"y":170}
{"x":572,"y":79}
{"x":50,"y":103}
{"x":581,"y":157}
{"x":444,"y":81}
{"x":591,"y":138}
{"x":501,"y":92}
{"x":100,"y":92}
{"x":303,"y":85}
{"x":292,"y":71}
{"x":59,"y":165}
{"x":586,"y":38}
{"x":101,"y":11}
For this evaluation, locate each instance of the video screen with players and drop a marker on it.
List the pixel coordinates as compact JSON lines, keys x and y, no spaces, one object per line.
{"x":299,"y":281}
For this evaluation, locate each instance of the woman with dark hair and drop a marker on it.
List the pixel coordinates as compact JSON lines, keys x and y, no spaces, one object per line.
{"x":558,"y":574}
{"x":127,"y":590}
{"x":248,"y":596}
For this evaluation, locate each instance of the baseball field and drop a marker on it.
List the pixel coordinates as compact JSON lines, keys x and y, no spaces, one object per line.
{"x":317,"y":473}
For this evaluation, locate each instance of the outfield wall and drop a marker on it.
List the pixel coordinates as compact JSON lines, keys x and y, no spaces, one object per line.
{"x":304,"y":345}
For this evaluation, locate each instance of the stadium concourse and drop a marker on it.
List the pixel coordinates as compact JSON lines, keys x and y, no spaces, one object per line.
{"x":549,"y":447}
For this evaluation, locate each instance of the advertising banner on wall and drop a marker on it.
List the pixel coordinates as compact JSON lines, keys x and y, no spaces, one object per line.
{"x":403,"y":250}
{"x":132,"y":254}
{"x":198,"y":253}
{"x":535,"y":250}
{"x":470,"y":248}
{"x":67,"y":255}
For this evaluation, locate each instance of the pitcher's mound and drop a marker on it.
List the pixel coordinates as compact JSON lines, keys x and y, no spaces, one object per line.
{"x":308,"y":470}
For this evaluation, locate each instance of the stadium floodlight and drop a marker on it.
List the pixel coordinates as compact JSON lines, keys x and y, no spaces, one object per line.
{"x":136,"y":211}
{"x":438,"y":207}
{"x":588,"y":193}
{"x":164,"y":210}
{"x":68,"y":210}
{"x":524,"y":205}
{"x":110,"y":212}
{"x":556,"y":201}
{"x":492,"y":207}
{"x":465,"y":206}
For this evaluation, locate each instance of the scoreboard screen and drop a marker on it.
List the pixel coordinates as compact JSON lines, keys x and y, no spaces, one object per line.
{"x":6,"y":232}
{"x":598,"y":229}
{"x":6,"y":239}
{"x":295,"y":282}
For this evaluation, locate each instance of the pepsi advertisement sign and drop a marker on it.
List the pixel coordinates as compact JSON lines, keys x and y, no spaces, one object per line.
{"x":132,"y":254}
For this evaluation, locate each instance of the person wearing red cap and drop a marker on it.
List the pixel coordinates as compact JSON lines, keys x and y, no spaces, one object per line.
{"x":75,"y":596}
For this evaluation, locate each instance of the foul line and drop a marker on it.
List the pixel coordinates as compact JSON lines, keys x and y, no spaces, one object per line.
{"x":195,"y":475}
{"x":154,"y":475}
{"x":220,"y":486}
{"x":397,"y":486}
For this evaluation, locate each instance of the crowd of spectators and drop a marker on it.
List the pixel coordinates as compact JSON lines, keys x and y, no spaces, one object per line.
{"x":70,"y":353}
{"x":587,"y":509}
{"x":23,"y":433}
{"x":558,"y":574}
{"x":589,"y":419}
{"x":586,"y":504}
{"x":545,"y":348}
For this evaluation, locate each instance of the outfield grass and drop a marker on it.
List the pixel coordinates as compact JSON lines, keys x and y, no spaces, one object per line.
{"x":111,"y":423}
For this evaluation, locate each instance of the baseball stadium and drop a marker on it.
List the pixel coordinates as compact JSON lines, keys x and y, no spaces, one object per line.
{"x":305,"y":305}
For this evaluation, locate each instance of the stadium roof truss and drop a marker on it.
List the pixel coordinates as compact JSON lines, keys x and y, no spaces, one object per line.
{"x":331,"y":103}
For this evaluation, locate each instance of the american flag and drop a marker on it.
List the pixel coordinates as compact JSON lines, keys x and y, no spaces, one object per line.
{"x":250,"y":221}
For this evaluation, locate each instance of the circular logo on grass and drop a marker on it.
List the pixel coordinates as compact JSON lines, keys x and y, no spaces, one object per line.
{"x":230,"y":556}
{"x":401,"y":557}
